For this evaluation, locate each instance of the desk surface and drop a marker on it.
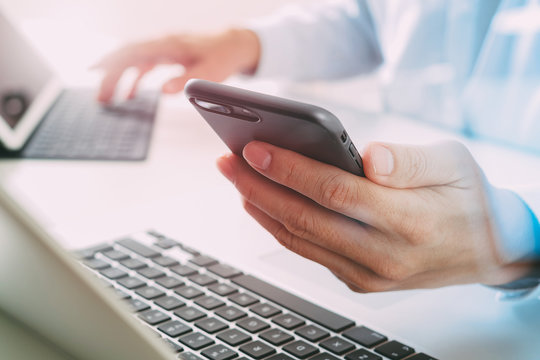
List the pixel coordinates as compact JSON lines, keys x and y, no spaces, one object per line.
{"x":179,"y":191}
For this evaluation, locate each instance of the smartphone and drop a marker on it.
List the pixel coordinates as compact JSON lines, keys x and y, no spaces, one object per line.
{"x":239,"y":116}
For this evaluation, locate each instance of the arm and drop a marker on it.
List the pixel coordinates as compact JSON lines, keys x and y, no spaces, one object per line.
{"x":332,"y":40}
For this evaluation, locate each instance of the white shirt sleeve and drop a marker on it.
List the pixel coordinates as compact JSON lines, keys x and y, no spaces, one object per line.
{"x":517,"y":215}
{"x":330,"y":40}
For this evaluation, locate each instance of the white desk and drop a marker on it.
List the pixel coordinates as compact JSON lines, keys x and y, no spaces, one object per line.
{"x":179,"y":192}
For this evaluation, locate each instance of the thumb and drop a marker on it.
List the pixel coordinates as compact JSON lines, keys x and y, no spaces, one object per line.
{"x":407,"y":166}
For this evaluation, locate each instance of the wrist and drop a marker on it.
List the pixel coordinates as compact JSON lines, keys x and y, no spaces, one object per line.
{"x":246,"y":49}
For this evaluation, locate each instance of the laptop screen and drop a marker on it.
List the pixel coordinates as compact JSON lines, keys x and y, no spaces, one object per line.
{"x":23,"y":74}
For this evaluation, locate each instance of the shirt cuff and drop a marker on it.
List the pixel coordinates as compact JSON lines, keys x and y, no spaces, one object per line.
{"x":517,"y":225}
{"x":519,"y":239}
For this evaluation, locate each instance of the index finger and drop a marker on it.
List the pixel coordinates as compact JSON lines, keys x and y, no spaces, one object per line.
{"x":331,"y":187}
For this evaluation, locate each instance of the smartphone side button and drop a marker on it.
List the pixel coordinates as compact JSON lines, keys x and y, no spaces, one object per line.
{"x":353,"y":151}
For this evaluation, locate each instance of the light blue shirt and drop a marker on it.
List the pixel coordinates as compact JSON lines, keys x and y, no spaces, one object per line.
{"x":469,"y":65}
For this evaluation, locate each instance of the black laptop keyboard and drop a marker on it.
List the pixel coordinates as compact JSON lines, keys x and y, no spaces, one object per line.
{"x":78,"y":127}
{"x":204,"y":309}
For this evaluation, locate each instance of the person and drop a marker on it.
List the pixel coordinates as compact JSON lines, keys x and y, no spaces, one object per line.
{"x":424,"y":216}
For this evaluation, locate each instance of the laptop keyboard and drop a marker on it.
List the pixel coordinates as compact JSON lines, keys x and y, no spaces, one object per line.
{"x":78,"y":127}
{"x":204,"y":309}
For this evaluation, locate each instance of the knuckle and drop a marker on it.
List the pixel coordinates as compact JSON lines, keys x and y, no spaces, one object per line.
{"x":291,"y":173}
{"x":367,"y":282}
{"x":298,"y":221}
{"x":286,"y":239}
{"x":373,"y":284}
{"x":394,"y":271}
{"x":336,"y":192}
{"x":417,"y":166}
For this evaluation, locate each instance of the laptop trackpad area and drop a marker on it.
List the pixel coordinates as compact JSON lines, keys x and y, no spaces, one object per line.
{"x":318,"y":276}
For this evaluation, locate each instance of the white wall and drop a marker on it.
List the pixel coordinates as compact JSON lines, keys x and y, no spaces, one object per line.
{"x":72,"y":34}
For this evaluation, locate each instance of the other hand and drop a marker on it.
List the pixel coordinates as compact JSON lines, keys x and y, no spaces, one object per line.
{"x":210,"y":57}
{"x":420,"y":218}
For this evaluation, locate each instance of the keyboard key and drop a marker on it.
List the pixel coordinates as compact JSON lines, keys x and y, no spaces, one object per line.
{"x":202,"y":279}
{"x":223,"y":289}
{"x":183,"y":270}
{"x":122,"y":295}
{"x":131,"y":282}
{"x":362,"y":354}
{"x":280,"y":357}
{"x":189,"y":313}
{"x":188,"y":292}
{"x":243,"y":299}
{"x":312,"y":333}
{"x":133,"y":264}
{"x":149,"y":292}
{"x":156,"y":234}
{"x":113,"y":273}
{"x":252,"y":324}
{"x":96,"y":264}
{"x":209,"y":302}
{"x":169,"y":282}
{"x":203,"y":260}
{"x":394,"y":350}
{"x":337,"y":345}
{"x":257,"y":349}
{"x":364,"y":336}
{"x":166,"y":243}
{"x":265,"y":310}
{"x":211,"y":325}
{"x":89,"y":253}
{"x":165,"y":261}
{"x":196,"y":340}
{"x":326,"y":356}
{"x":174,"y":328}
{"x":300,"y":349}
{"x":230,"y":313}
{"x":225,"y":271}
{"x":169,"y":302}
{"x":288,"y":321}
{"x":174,"y":346}
{"x":276,"y":337}
{"x":151,"y":273}
{"x":294,"y":303}
{"x":154,"y":317}
{"x":234,"y":337}
{"x":186,"y":355}
{"x":219,"y":352}
{"x":138,"y":248}
{"x":116,"y":255}
{"x":138,"y":305}
{"x":189,"y":250}
{"x":421,"y":356}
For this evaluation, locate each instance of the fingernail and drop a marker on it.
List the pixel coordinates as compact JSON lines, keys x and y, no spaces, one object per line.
{"x":382,"y":160}
{"x":224,"y":166}
{"x":257,"y":156}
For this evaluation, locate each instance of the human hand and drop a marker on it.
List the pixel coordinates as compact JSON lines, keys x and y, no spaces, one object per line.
{"x":420,"y":218}
{"x":210,"y":57}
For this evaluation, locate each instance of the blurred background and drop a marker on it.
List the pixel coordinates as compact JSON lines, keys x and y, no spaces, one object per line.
{"x":73,"y":35}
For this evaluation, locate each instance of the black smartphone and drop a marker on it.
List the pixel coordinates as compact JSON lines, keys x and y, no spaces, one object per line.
{"x":239,"y":116}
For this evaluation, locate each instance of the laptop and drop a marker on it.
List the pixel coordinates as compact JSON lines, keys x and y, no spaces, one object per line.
{"x":42,"y":119}
{"x":147,"y":296}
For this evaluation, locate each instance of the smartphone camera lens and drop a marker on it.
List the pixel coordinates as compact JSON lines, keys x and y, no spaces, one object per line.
{"x":245,"y":114}
{"x":212,"y":106}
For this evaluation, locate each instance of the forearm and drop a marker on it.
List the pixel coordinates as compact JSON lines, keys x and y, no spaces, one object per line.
{"x":329,"y":41}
